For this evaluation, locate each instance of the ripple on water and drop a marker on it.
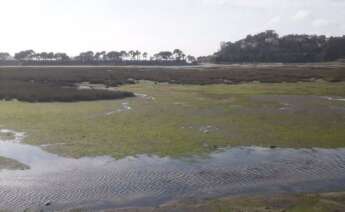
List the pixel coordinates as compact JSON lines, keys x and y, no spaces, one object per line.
{"x":132,"y":181}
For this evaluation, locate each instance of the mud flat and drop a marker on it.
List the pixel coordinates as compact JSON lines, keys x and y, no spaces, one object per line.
{"x":103,"y":182}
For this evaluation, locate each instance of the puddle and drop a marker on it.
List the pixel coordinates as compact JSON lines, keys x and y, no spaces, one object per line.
{"x":145,"y":96}
{"x":334,"y":99}
{"x":124,"y":108}
{"x":206,"y":129}
{"x":92,"y":86}
{"x":10,"y":135}
{"x":181,"y":104}
{"x":104,"y":182}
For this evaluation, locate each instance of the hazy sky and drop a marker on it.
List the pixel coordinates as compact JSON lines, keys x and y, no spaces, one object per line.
{"x":195,"y":26}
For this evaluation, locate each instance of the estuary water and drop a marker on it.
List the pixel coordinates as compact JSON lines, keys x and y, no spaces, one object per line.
{"x":145,"y":180}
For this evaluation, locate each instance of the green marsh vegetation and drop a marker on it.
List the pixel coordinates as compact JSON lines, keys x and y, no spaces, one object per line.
{"x":178,"y":120}
{"x":326,"y":202}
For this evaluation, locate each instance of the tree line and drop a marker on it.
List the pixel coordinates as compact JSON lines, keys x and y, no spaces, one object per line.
{"x":268,"y":46}
{"x":88,"y":56}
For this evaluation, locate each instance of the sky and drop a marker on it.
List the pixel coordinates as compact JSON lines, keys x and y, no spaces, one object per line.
{"x":195,"y":26}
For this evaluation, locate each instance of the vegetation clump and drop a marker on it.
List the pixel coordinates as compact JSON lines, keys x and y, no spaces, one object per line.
{"x":9,"y":164}
{"x":46,"y":92}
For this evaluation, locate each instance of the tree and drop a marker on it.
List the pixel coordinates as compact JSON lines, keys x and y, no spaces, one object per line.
{"x":164,"y":55}
{"x":86,"y":56}
{"x":100,"y":55}
{"x":62,"y":56}
{"x":132,"y":54}
{"x":24,"y":55}
{"x":145,"y":55}
{"x":335,"y":49}
{"x":124,"y":54}
{"x":4,"y":56}
{"x":51,"y":55}
{"x":42,"y":55}
{"x":178,"y":54}
{"x":137,"y":54}
{"x":114,"y":55}
{"x":191,"y":59}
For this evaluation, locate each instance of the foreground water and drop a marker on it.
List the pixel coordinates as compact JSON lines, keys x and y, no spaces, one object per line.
{"x":104,"y":182}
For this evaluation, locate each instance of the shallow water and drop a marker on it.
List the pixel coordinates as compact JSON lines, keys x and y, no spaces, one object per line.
{"x":104,"y":182}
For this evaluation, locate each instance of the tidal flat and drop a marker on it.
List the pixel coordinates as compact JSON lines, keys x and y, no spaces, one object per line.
{"x":196,"y":141}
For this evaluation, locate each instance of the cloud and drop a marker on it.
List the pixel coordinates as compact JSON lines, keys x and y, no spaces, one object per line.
{"x":318,"y":23}
{"x":301,"y":15}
